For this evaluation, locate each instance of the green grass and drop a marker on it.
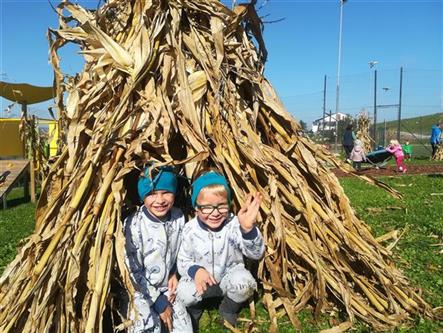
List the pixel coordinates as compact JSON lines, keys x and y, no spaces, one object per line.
{"x":419,"y":214}
{"x":16,"y":223}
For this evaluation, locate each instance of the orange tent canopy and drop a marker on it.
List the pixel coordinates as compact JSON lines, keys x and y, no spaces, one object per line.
{"x":24,"y":93}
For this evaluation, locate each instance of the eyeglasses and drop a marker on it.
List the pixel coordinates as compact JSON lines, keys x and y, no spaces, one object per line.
{"x":208,"y":209}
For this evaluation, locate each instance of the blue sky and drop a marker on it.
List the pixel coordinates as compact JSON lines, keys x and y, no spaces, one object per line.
{"x":302,"y":50}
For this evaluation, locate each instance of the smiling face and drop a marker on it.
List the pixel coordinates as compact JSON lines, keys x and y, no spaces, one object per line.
{"x":207,"y":199}
{"x":159,"y":203}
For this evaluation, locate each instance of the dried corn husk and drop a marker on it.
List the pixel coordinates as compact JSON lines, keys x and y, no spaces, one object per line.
{"x":181,"y":83}
{"x":34,"y":144}
{"x":438,"y":156}
{"x":363,"y":131}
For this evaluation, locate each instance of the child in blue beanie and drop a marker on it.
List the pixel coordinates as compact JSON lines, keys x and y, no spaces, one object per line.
{"x":210,"y":259}
{"x":153,"y":236}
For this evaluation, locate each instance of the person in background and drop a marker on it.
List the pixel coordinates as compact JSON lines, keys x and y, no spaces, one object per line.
{"x":407,"y":150}
{"x":395,"y":149}
{"x":357,"y":155}
{"x":435,"y":136}
{"x":348,"y":140}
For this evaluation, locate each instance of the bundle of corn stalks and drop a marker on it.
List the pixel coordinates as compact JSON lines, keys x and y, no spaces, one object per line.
{"x":438,"y":156}
{"x":181,"y":83}
{"x":363,"y":131}
{"x":34,"y":143}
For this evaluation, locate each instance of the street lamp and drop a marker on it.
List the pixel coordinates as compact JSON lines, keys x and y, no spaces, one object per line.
{"x":337,"y":95}
{"x":372,"y":63}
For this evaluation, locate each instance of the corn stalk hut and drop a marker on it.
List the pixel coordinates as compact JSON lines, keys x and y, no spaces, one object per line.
{"x":438,"y":156}
{"x":181,"y":83}
{"x":363,"y":131}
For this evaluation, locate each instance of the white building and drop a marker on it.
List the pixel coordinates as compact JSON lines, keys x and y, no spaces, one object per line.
{"x":328,"y":122}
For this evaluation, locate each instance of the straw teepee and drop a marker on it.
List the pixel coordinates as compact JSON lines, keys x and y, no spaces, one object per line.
{"x":181,"y":82}
{"x":363,"y":131}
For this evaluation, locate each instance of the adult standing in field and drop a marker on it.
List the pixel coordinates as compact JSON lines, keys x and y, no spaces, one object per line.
{"x":435,"y":136}
{"x":348,"y":140}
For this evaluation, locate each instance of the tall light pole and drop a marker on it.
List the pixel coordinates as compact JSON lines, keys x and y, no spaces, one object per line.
{"x":399,"y":104}
{"x":337,"y":93}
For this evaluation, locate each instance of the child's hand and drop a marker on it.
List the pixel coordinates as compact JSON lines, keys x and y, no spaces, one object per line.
{"x":172,"y":287}
{"x":166,"y":317}
{"x":202,"y":279}
{"x":247,"y":216}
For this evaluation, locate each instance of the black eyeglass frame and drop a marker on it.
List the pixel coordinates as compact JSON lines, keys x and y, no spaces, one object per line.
{"x":200,"y":207}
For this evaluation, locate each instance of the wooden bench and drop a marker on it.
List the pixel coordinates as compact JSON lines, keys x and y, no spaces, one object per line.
{"x":11,"y":172}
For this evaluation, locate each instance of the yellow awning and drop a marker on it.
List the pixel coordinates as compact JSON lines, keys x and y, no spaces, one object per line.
{"x":24,"y":93}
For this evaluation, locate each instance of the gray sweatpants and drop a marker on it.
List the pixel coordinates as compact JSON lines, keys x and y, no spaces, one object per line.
{"x":238,"y":284}
{"x":148,"y":321}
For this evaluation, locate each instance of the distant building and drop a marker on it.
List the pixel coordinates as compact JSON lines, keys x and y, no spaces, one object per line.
{"x":328,"y":122}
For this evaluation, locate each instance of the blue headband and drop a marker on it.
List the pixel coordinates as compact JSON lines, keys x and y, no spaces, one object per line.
{"x":209,"y":178}
{"x":165,"y":180}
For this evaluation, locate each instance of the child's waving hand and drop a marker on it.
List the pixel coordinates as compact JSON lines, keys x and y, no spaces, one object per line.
{"x":247,"y":216}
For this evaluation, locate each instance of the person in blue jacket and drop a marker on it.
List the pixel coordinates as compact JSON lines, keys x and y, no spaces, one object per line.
{"x":435,"y":136}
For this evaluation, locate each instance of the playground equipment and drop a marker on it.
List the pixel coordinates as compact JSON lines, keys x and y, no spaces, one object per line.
{"x":21,"y":142}
{"x":378,"y":157}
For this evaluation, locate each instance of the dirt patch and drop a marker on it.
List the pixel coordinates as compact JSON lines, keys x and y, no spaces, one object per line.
{"x":391,"y":170}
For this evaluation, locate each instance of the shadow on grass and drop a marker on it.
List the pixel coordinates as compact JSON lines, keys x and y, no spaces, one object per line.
{"x":16,"y":197}
{"x":17,"y":202}
{"x":436,"y":175}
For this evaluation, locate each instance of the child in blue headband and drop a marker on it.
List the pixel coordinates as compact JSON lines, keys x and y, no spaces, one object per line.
{"x":153,"y":236}
{"x":210,"y":259}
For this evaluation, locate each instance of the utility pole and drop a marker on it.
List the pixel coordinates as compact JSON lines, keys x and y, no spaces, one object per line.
{"x":337,"y":95}
{"x":375,"y":109}
{"x":324,"y":105}
{"x":399,"y":105}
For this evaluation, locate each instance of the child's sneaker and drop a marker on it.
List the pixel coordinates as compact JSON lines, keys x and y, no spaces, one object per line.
{"x":228,"y":310}
{"x":195,"y":312}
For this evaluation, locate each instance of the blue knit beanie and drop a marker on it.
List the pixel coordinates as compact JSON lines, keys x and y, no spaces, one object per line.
{"x":165,"y":180}
{"x":208,"y":178}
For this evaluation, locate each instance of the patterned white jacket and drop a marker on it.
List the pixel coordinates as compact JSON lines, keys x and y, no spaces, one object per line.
{"x":217,"y":250}
{"x":151,"y":252}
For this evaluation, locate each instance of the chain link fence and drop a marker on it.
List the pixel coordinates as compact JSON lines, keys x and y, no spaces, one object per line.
{"x":405,"y":104}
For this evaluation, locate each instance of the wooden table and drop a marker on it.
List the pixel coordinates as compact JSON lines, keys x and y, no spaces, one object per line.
{"x":11,"y":172}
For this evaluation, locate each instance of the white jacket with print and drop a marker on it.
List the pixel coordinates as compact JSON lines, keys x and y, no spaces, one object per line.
{"x":217,"y":250}
{"x":151,"y":250}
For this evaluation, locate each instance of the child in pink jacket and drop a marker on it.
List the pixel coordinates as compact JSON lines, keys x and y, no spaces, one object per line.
{"x":396,"y":149}
{"x":357,"y":155}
